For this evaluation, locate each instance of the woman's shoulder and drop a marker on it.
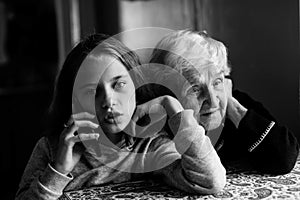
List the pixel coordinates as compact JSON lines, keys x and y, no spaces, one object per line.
{"x":246,"y":100}
{"x":242,"y":96}
{"x":252,"y":104}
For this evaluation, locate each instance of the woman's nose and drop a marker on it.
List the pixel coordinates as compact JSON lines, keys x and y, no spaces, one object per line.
{"x":210,"y":99}
{"x":213,"y":99}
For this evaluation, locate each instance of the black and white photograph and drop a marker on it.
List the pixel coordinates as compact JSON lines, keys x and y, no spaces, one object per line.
{"x":150,"y":99}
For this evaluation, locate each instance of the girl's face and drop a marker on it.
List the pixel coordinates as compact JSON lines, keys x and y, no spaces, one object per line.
{"x":104,"y":87}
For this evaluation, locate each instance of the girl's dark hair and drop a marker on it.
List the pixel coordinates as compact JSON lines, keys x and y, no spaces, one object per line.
{"x":61,"y":107}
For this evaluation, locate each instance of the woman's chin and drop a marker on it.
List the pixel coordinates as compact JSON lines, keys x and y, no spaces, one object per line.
{"x":212,"y":125}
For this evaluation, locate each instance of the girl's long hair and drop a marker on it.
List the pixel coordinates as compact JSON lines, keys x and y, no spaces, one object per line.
{"x":60,"y":109}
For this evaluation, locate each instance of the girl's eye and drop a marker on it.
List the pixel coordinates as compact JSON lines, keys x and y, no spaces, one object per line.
{"x":119,"y":84}
{"x":91,"y":91}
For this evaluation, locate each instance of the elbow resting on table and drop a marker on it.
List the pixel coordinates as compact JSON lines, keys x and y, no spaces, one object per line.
{"x":216,"y":186}
{"x":218,"y":182}
{"x":284,"y":166}
{"x":214,"y":182}
{"x":278,"y":165}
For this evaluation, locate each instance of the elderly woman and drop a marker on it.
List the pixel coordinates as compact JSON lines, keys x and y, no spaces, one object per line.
{"x":193,"y":67}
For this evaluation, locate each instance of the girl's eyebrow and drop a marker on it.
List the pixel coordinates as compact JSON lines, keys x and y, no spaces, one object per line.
{"x":94,"y":85}
{"x":118,"y":77}
{"x":91,"y":85}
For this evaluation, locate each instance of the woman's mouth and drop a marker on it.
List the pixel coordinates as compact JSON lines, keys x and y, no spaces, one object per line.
{"x":208,"y":113}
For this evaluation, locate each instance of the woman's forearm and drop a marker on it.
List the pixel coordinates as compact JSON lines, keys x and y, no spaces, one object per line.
{"x":199,"y":170}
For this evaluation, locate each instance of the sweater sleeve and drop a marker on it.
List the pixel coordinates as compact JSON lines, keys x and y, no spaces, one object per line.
{"x":40,"y":180}
{"x":273,"y":148}
{"x":189,"y":161}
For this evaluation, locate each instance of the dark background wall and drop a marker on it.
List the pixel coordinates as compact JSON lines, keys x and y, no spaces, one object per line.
{"x":26,"y":83}
{"x":262,"y":37}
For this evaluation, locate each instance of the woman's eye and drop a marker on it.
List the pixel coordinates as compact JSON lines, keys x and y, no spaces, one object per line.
{"x":194,"y":90}
{"x":218,"y":82}
{"x":119,"y":84}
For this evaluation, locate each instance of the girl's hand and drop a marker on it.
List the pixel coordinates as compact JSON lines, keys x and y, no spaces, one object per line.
{"x":69,"y":148}
{"x":235,"y":110}
{"x":155,"y":109}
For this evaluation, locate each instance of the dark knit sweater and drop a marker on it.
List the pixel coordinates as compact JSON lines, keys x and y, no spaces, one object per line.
{"x":259,"y":141}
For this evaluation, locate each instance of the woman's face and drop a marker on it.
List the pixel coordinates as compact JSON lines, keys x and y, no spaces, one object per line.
{"x":206,"y":95}
{"x":105,"y":88}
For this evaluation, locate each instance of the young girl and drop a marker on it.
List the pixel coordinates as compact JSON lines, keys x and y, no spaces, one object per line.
{"x":92,"y":138}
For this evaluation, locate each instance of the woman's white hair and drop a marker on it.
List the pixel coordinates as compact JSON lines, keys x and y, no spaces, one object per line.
{"x":185,"y":50}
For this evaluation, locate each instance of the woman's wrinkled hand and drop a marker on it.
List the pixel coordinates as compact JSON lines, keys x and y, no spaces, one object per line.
{"x":154,"y":113}
{"x":235,"y":110}
{"x":70,"y":148}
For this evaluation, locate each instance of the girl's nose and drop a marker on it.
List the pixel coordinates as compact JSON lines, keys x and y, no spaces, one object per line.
{"x":108,"y":99}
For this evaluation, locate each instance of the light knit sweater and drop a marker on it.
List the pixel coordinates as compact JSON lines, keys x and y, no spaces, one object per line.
{"x":188,"y":162}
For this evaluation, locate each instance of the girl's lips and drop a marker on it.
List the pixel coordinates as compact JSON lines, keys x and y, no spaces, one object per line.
{"x":109,"y":120}
{"x":112,"y":118}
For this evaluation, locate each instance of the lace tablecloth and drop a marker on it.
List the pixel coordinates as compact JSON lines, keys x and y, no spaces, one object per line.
{"x":240,"y":185}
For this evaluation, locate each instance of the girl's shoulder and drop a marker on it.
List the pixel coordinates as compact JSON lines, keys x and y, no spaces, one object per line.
{"x":159,"y":139}
{"x":150,"y":143}
{"x":45,"y":145}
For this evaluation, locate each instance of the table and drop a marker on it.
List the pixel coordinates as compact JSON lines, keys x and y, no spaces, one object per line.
{"x":240,"y":185}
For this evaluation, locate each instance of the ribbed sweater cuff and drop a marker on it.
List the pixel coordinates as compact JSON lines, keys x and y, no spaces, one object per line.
{"x":54,"y":181}
{"x":253,"y":127}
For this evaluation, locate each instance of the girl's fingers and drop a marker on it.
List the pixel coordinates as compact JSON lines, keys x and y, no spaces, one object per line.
{"x":83,"y":115}
{"x":86,"y":123}
{"x":69,"y":131}
{"x":84,"y":137}
{"x":74,"y":124}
